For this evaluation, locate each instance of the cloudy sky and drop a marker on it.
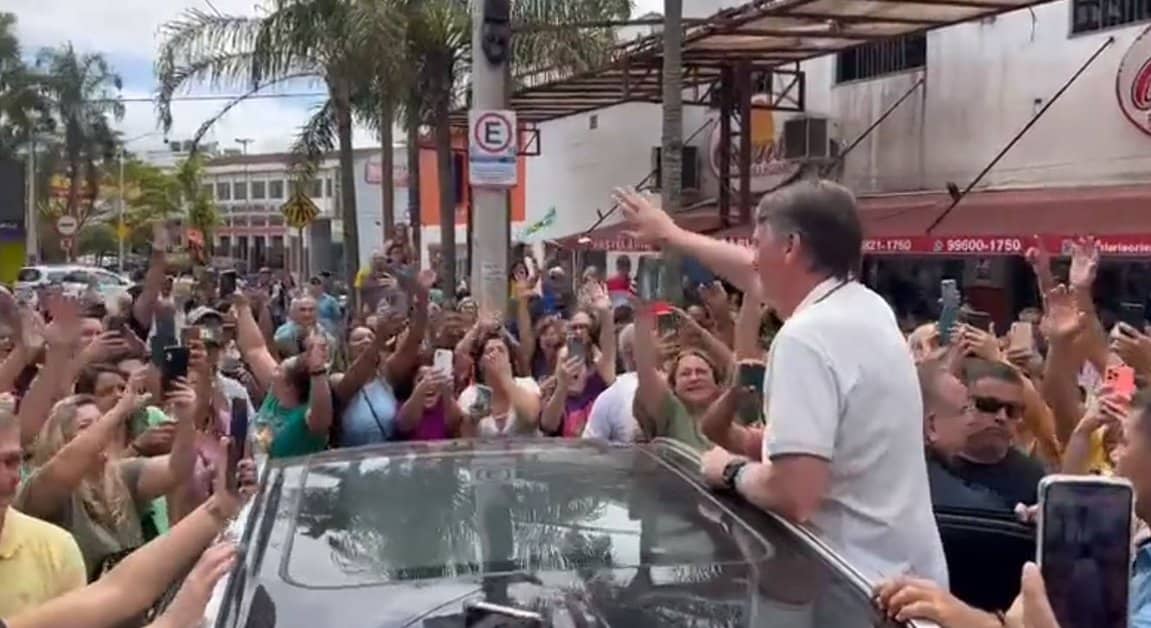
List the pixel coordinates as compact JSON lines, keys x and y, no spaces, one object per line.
{"x":127,"y":33}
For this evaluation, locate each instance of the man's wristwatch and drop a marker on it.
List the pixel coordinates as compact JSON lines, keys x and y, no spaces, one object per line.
{"x":731,"y":473}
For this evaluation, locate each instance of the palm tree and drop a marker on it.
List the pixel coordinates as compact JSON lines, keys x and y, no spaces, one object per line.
{"x":334,"y":41}
{"x":671,"y":151}
{"x":439,"y":34}
{"x":197,"y":205}
{"x":81,"y":92}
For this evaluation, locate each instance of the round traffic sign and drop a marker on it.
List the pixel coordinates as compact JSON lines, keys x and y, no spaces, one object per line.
{"x":493,"y":132}
{"x":67,"y":225}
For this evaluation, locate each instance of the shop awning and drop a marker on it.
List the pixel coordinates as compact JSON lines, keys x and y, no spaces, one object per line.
{"x":768,"y":33}
{"x":1004,"y":222}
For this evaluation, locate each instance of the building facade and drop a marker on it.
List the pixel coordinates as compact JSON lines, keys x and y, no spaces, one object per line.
{"x":1081,"y":168}
{"x":250,"y":190}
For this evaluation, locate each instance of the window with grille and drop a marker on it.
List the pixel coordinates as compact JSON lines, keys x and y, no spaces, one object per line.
{"x":224,"y":190}
{"x":276,"y":189}
{"x":259,"y":190}
{"x":240,"y":191}
{"x":880,"y":58}
{"x":1088,"y":16}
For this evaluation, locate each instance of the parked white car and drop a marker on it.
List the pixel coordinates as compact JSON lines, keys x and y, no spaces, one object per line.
{"x":73,"y":278}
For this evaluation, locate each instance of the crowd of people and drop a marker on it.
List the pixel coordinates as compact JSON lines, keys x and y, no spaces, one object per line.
{"x":791,"y":378}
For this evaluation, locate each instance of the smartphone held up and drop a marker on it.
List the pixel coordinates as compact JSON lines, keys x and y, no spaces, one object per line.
{"x":1084,"y":548}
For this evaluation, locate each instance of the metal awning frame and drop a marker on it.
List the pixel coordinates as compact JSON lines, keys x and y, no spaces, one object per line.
{"x":769,"y":34}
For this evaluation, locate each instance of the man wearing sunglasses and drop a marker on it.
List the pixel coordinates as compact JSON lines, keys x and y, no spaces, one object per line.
{"x":969,"y":425}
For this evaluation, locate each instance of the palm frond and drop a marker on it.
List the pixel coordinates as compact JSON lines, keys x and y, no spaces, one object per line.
{"x":210,"y":122}
{"x":316,"y":139}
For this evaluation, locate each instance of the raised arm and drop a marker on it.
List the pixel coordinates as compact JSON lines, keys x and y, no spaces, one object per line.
{"x":141,"y":578}
{"x":320,"y":410}
{"x":252,"y":343}
{"x":144,"y":307}
{"x":52,"y":484}
{"x":163,"y":474}
{"x":653,"y":391}
{"x":651,"y":224}
{"x":402,"y":363}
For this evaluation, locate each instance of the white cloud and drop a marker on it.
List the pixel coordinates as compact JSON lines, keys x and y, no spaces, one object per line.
{"x":127,"y":31}
{"x":119,"y":27}
{"x":272,"y":123}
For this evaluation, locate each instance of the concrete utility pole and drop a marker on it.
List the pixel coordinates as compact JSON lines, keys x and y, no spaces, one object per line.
{"x":249,"y":254}
{"x":491,"y":49}
{"x":31,"y":224}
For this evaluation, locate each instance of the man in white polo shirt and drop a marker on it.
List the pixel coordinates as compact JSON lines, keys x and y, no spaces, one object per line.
{"x":845,"y":450}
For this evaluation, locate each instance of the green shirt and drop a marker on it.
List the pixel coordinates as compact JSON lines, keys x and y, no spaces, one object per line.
{"x":289,"y":426}
{"x":152,"y":416}
{"x":679,"y":424}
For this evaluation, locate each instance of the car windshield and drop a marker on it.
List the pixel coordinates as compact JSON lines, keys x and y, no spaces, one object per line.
{"x":615,"y":533}
{"x":490,"y":513}
{"x":28,"y":275}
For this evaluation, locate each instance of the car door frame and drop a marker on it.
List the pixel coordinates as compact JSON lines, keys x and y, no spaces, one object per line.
{"x":685,"y":460}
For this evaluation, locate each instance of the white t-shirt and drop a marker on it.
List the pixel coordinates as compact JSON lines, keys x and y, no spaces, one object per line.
{"x":611,"y":418}
{"x":841,"y":385}
{"x":488,"y":426}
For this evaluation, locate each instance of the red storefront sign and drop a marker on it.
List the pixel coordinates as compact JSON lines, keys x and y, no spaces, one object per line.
{"x":947,"y":246}
{"x":988,"y":246}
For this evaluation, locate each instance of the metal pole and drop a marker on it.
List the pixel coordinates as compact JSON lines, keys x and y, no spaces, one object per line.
{"x":120,"y":212}
{"x":866,"y":132}
{"x":489,"y":276}
{"x":31,"y":236}
{"x":1018,"y":136}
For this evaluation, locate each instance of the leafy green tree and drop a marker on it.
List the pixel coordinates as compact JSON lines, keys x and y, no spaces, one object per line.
{"x":81,"y":91}
{"x":439,"y":37}
{"x":23,"y":111}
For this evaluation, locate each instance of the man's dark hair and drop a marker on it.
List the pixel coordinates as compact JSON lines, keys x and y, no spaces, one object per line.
{"x":86,"y":382}
{"x":823,"y":214}
{"x":974,"y":369}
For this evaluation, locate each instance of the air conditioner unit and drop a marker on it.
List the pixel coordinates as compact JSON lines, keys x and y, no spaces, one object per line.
{"x":808,"y":139}
{"x":689,"y":177}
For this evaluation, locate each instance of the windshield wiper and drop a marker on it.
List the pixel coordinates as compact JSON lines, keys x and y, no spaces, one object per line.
{"x":487,"y":615}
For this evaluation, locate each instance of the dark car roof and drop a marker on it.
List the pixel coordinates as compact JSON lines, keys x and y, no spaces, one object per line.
{"x":585,"y":533}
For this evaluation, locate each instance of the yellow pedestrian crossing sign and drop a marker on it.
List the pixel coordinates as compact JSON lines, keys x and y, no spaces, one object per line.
{"x":299,"y":210}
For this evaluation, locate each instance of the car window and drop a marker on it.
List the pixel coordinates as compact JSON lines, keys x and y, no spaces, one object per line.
{"x":57,"y":276}
{"x":28,"y":275}
{"x":107,"y":279}
{"x":645,"y":546}
{"x":77,"y":276}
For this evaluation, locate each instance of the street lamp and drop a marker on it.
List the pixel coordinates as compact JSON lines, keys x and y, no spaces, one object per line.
{"x":120,"y":197}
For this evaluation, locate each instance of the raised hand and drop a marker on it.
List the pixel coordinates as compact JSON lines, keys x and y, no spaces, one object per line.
{"x":595,"y":296}
{"x":714,"y":296}
{"x":645,"y":221}
{"x":187,"y":608}
{"x":1084,"y":263}
{"x":156,"y":440}
{"x":181,"y":400}
{"x":316,"y":355}
{"x":425,"y":280}
{"x":1062,"y":319}
{"x":135,"y":397}
{"x":1039,"y":258}
{"x":64,"y":330}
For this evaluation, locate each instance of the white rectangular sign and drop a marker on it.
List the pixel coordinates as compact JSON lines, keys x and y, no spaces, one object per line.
{"x":493,"y":148}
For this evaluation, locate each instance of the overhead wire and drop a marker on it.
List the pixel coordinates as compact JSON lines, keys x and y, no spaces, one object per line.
{"x":212,"y":97}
